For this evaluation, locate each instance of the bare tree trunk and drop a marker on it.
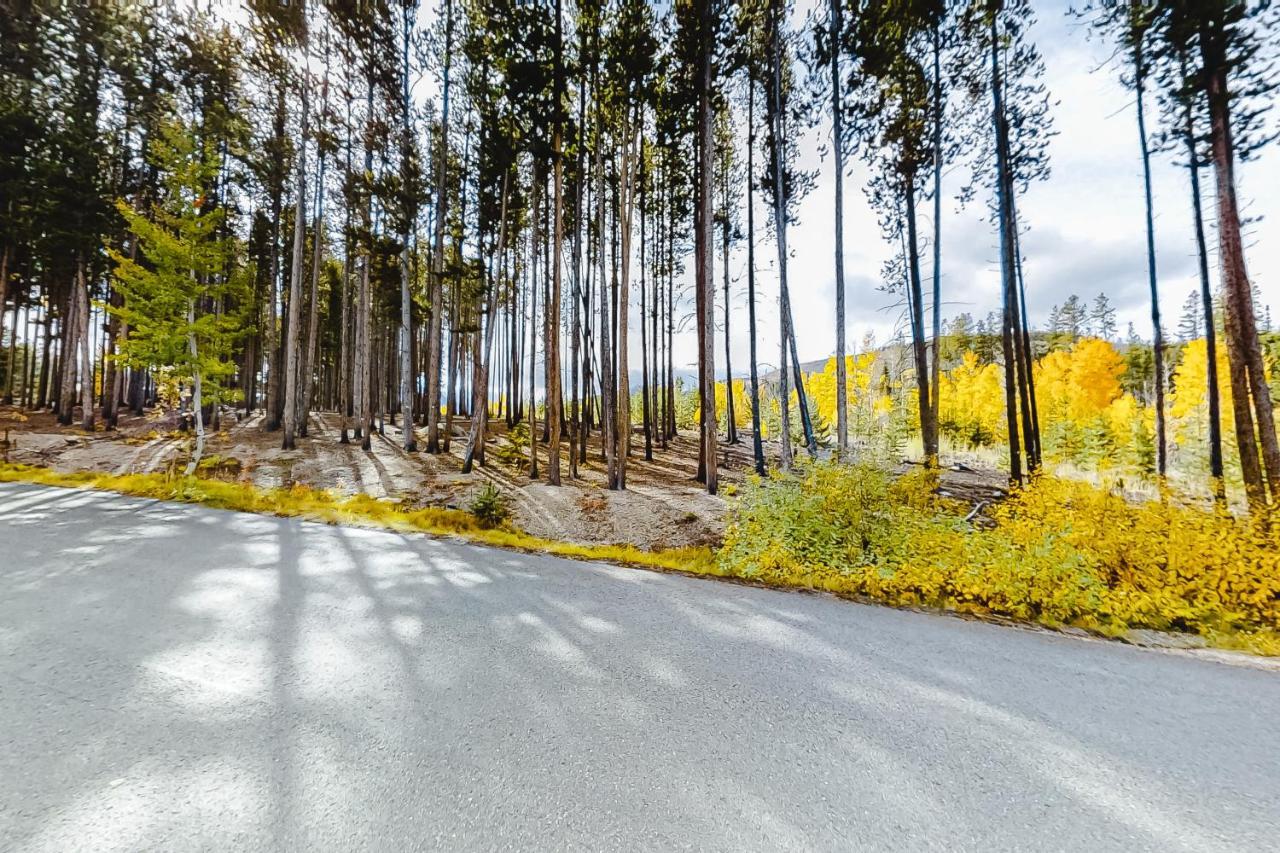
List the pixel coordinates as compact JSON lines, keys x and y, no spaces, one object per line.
{"x":608,"y":417}
{"x":313,"y":306}
{"x":555,"y":415}
{"x":13,"y":350}
{"x":1031,"y":417}
{"x":272,"y":415}
{"x":86,"y":352}
{"x":577,"y":405}
{"x":410,"y":442}
{"x":4,"y":297}
{"x":292,"y":377}
{"x":626,"y":185}
{"x":1139,"y":74}
{"x":928,"y":431}
{"x":935,"y":363}
{"x":1206,"y":301}
{"x":644,"y":337}
{"x":64,"y":393}
{"x":1244,"y":350}
{"x":1009,"y":286}
{"x":706,"y":289}
{"x":197,"y":395}
{"x":480,"y":397}
{"x":731,"y":431}
{"x":837,"y":147}
{"x":757,"y":441}
{"x":533,"y":324}
{"x":437,"y":259}
{"x":363,"y":367}
{"x":780,"y":229}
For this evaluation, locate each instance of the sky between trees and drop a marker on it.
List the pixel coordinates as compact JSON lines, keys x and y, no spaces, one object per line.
{"x":1085,"y":220}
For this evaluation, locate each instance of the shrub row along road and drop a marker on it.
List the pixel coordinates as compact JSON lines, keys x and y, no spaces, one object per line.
{"x":174,"y":677}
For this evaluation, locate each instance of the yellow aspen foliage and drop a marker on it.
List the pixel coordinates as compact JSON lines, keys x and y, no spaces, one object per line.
{"x":821,"y":387}
{"x":1190,"y":401}
{"x":1080,"y":383}
{"x":741,"y":403}
{"x":971,"y":402}
{"x":1122,"y":414}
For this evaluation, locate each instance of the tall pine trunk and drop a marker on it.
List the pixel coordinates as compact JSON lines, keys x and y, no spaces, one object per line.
{"x":731,"y":432}
{"x":434,"y":341}
{"x":555,"y":415}
{"x":837,"y":147}
{"x":296,"y":270}
{"x":1007,"y":263}
{"x":1206,"y":302}
{"x":409,"y":442}
{"x":757,"y":441}
{"x":1139,"y":75}
{"x":704,"y":240}
{"x":928,"y":432}
{"x":197,"y":389}
{"x":480,"y":384}
{"x":1244,"y":350}
{"x":935,"y":361}
{"x":780,"y":192}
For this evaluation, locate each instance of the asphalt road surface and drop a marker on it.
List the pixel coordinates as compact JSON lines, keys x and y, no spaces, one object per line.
{"x":180,"y":678}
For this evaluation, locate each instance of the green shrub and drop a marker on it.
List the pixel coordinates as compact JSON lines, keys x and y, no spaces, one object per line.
{"x":490,"y":507}
{"x":513,"y":452}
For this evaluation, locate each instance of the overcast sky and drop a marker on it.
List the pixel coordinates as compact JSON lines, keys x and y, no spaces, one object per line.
{"x":1086,"y":224}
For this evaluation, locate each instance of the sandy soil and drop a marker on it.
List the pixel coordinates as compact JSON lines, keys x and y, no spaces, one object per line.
{"x":662,"y":507}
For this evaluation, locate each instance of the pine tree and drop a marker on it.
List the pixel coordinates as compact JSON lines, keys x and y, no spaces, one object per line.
{"x":1102,"y":318}
{"x":183,"y":274}
{"x":1189,"y":324}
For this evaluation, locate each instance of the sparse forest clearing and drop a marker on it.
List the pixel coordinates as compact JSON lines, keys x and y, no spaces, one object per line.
{"x":664,"y":507}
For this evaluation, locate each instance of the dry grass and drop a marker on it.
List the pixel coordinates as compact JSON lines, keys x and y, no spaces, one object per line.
{"x":303,"y":502}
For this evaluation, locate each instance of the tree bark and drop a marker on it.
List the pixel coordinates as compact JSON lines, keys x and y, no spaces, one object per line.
{"x":409,"y":441}
{"x":626,"y":182}
{"x":706,"y":290}
{"x":555,"y":415}
{"x":1008,"y":285}
{"x":757,"y":440}
{"x":837,"y":147}
{"x":1244,"y":350}
{"x":731,"y":432}
{"x":935,"y":363}
{"x":1139,"y":74}
{"x":928,"y":431}
{"x":434,"y":351}
{"x":86,"y":351}
{"x":1206,"y":302}
{"x":197,"y":391}
{"x":291,"y":376}
{"x":480,"y":397}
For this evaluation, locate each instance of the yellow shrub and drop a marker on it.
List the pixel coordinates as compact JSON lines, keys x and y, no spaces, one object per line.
{"x":1060,"y":552}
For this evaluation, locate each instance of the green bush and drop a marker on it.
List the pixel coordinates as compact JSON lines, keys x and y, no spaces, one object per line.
{"x":513,"y":452}
{"x":490,"y":507}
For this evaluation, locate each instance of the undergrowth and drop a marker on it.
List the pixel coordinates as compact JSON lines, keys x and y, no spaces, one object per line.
{"x":1059,"y":553}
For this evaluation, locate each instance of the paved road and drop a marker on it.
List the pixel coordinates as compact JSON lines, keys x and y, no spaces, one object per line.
{"x":179,"y":678}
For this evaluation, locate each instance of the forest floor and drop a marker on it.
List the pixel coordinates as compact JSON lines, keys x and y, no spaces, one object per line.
{"x":662,"y":507}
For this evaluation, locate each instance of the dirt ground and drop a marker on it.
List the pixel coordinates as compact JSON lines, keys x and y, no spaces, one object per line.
{"x":662,"y":507}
